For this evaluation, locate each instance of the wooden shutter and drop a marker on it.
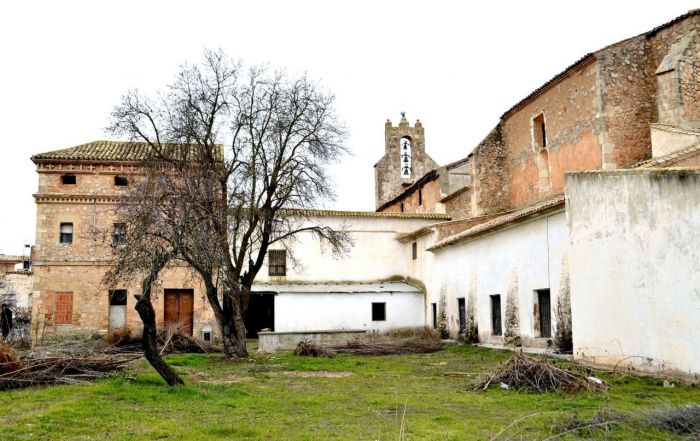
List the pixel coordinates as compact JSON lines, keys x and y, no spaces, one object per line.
{"x":63,"y":312}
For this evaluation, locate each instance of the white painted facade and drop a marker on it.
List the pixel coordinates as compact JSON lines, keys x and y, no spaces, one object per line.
{"x":635,"y":268}
{"x":375,"y":255}
{"x":323,"y":292}
{"x":314,"y":307}
{"x":515,"y":261}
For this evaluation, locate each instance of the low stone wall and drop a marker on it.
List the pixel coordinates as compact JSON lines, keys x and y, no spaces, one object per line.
{"x":272,"y":341}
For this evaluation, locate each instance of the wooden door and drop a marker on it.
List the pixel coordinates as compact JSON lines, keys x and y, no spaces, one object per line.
{"x":63,"y":312}
{"x":179,"y":309}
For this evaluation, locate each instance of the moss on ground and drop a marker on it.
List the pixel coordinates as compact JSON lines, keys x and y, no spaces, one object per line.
{"x":283,"y":397}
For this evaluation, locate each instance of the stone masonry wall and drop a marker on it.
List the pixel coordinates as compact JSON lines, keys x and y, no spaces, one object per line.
{"x":572,"y":131}
{"x":387,"y":172}
{"x":79,"y":267}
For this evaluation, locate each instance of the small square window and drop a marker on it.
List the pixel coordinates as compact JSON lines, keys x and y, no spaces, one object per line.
{"x":66,"y":233}
{"x":378,"y":312}
{"x":121,"y":181}
{"x":117,"y":297}
{"x":68,"y":180}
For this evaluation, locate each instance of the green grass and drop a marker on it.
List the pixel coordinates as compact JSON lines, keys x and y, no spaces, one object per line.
{"x":282,"y":397}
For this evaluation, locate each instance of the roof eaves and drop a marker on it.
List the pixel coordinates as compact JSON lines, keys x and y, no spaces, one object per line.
{"x":536,"y":210}
{"x":428,"y":177}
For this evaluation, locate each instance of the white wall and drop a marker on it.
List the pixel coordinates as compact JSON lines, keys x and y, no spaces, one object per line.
{"x":376,"y":254}
{"x":520,"y":259}
{"x":635,"y":268}
{"x":300,"y":312}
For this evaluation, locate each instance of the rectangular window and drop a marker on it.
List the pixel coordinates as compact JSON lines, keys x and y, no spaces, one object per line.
{"x":378,"y":312}
{"x":63,"y":311}
{"x":544,"y":309}
{"x":420,"y":197}
{"x":402,"y":207}
{"x":68,"y":180}
{"x":496,"y":315}
{"x":66,"y":232}
{"x":117,"y":297}
{"x":434,"y":307}
{"x":539,"y":131}
{"x":461,"y":306}
{"x":414,"y":250}
{"x":277,"y":262}
{"x":119,"y":234}
{"x":121,"y":181}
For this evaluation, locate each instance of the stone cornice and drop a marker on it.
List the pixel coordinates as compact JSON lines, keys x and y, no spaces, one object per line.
{"x":48,"y":198}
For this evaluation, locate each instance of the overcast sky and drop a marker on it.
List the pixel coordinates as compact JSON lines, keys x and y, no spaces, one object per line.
{"x":456,"y":66}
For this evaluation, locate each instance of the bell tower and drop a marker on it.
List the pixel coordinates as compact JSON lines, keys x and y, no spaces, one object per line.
{"x":404,"y":160}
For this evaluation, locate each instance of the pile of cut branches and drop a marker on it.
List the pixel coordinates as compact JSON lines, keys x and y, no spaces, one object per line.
{"x":169,"y":341}
{"x":522,"y":372}
{"x":387,"y":345}
{"x":178,"y":343}
{"x":66,"y":369}
{"x":307,"y":348}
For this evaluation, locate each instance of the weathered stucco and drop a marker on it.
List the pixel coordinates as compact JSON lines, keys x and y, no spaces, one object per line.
{"x":634,"y":263}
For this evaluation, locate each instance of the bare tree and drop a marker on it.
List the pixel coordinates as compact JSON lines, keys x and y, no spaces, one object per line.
{"x":243,"y":155}
{"x":147,"y":211}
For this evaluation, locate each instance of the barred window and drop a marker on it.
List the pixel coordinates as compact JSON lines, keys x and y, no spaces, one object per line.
{"x":119,"y":234}
{"x":277,"y":262}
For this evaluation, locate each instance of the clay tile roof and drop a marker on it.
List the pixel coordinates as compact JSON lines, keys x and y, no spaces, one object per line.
{"x":102,"y":151}
{"x":535,"y":209}
{"x":339,"y":213}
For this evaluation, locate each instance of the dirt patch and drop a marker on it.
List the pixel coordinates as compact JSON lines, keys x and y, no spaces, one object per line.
{"x":225,"y":379}
{"x":313,"y":374}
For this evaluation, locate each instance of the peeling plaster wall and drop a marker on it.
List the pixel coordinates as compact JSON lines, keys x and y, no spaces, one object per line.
{"x":531,"y":253}
{"x":635,"y":268}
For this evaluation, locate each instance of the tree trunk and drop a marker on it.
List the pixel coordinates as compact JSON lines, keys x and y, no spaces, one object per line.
{"x":149,"y":343}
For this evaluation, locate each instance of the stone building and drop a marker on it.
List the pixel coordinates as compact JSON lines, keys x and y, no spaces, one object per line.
{"x":581,"y":204}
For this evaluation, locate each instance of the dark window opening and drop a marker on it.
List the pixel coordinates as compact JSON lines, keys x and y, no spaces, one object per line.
{"x":378,"y":312}
{"x":206,"y":335}
{"x":121,"y":181}
{"x":117,"y":297}
{"x":544,"y":309}
{"x":66,"y":233}
{"x":414,"y":250}
{"x":540,"y":131}
{"x":277,"y":262}
{"x":434,"y":307}
{"x":462,"y":314}
{"x":496,"y":315}
{"x":68,"y":180}
{"x":119,"y":234}
{"x":402,"y":207}
{"x":420,"y":197}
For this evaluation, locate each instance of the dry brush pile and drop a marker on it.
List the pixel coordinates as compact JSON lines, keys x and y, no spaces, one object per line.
{"x":68,"y":368}
{"x":522,"y":372}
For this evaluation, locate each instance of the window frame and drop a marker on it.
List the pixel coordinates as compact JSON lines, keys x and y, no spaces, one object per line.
{"x":118,"y":237}
{"x":65,"y":238}
{"x":121,"y":181}
{"x":375,"y":312}
{"x":67,"y":177}
{"x":496,"y":321}
{"x":274,"y":267}
{"x":414,"y":250}
{"x":539,"y":132}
